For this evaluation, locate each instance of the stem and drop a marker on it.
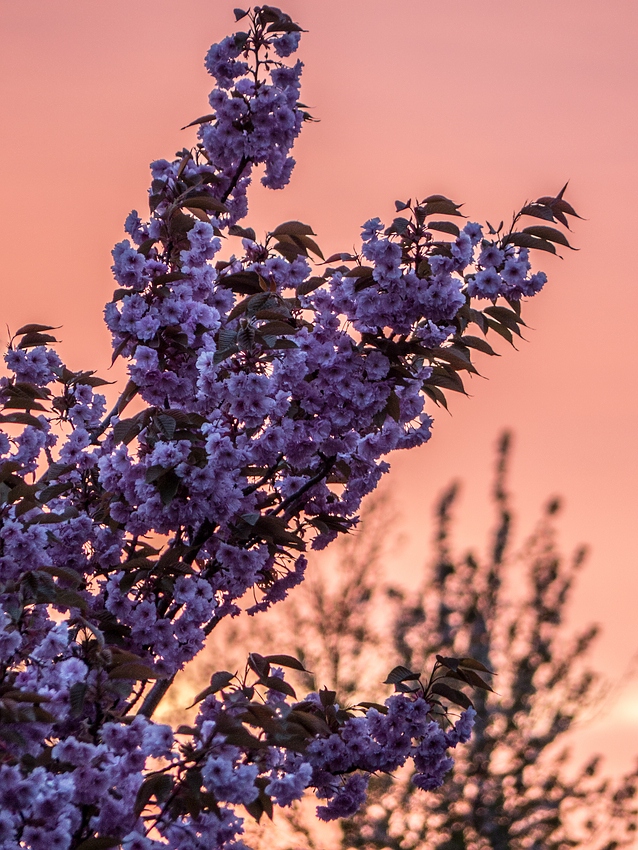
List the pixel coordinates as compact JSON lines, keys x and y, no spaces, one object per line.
{"x":160,"y":688}
{"x":243,"y":162}
{"x":128,"y":394}
{"x":155,"y":696}
{"x":324,"y":469}
{"x":266,"y":477}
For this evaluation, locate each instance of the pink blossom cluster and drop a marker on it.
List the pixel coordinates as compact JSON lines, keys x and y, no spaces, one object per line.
{"x":270,"y":395}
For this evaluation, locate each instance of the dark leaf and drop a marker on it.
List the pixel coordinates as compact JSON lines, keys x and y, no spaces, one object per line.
{"x":286,"y":661}
{"x":77,"y":694}
{"x":22,"y":490}
{"x":436,"y":395}
{"x":244,"y":232}
{"x":226,"y":338}
{"x":153,"y":473}
{"x":440,"y":207}
{"x":158,"y":785}
{"x":450,"y":663}
{"x":502,"y":331}
{"x":220,"y":679}
{"x":478,"y":318}
{"x":451,"y":694}
{"x":186,"y":730}
{"x":406,"y":688}
{"x":444,"y":227}
{"x":66,"y":573}
{"x":200,"y":214}
{"x":432,"y":198}
{"x":94,"y":381}
{"x":245,"y":283}
{"x":28,"y":390}
{"x":360,"y":271}
{"x":51,"y":517}
{"x":102,"y":842}
{"x":180,"y":224}
{"x":30,"y":340}
{"x":311,"y":723}
{"x":168,"y":486}
{"x":506,"y":317}
{"x":259,"y":664}
{"x":127,"y":429}
{"x":184,"y":162}
{"x":562,"y":206}
{"x":205,"y":119}
{"x":21,"y":402}
{"x":246,"y":338}
{"x":290,"y":249}
{"x":549,"y":233}
{"x":538,"y":211}
{"x":399,"y":225}
{"x":343,"y":257}
{"x":473,"y":678}
{"x":393,"y":406}
{"x":255,"y":809}
{"x":66,"y":598}
{"x":145,"y":247}
{"x":400,"y":674}
{"x":133,"y":670}
{"x":120,"y":348}
{"x":311,"y":245}
{"x":327,"y":697}
{"x":237,"y":310}
{"x":382,"y":709}
{"x":277,"y":328}
{"x":222,"y":353}
{"x":167,"y":424}
{"x":205,"y":202}
{"x":33,"y":328}
{"x":473,"y":664}
{"x":274,"y":683}
{"x":456,"y":357}
{"x":8,"y":468}
{"x":447,"y":380}
{"x":272,"y":14}
{"x":526,"y":240}
{"x":169,"y":277}
{"x":131,"y":579}
{"x":479,"y":344}
{"x":293,"y":228}
{"x":24,"y":696}
{"x":57,"y":469}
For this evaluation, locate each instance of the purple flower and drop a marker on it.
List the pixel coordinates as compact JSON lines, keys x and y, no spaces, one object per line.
{"x":348,"y":799}
{"x":286,"y":44}
{"x":485,"y":284}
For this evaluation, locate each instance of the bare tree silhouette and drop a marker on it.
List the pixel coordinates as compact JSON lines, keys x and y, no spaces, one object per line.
{"x":514,"y":785}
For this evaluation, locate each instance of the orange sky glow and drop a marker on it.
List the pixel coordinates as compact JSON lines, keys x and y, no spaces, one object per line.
{"x":491,"y":103}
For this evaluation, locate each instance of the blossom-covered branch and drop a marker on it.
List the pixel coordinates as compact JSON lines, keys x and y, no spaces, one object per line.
{"x":270,"y":393}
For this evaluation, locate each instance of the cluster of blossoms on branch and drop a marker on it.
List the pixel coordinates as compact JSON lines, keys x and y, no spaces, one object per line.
{"x":270,"y":393}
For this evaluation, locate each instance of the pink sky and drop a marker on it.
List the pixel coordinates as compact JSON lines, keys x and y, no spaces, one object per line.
{"x":489,"y":102}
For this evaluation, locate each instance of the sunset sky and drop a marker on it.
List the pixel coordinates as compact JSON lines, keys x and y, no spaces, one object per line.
{"x":491,"y":102}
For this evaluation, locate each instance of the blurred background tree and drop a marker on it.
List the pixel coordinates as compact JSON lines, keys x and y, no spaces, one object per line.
{"x":515,"y":784}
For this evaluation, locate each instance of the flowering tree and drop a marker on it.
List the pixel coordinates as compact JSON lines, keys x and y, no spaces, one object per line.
{"x":267,"y":394}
